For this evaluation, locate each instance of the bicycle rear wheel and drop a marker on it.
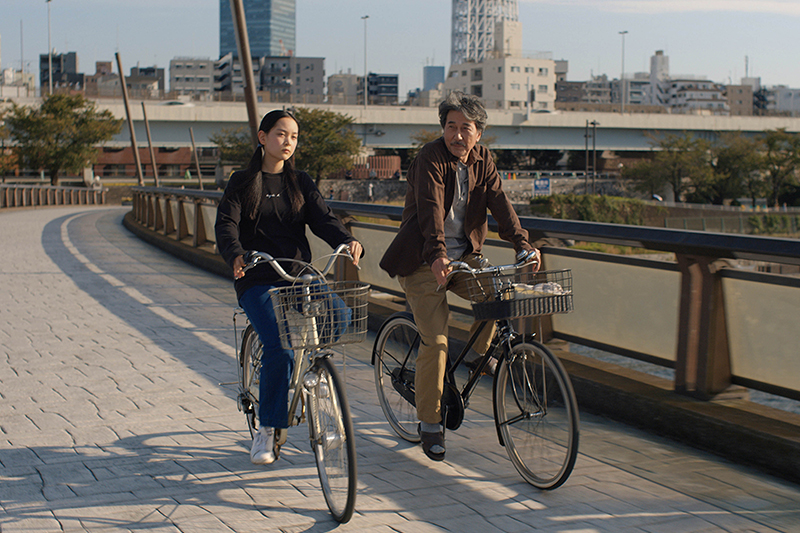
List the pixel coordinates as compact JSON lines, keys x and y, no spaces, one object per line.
{"x":395,"y":361}
{"x":250,"y":375}
{"x":536,"y":414}
{"x":333,"y":440}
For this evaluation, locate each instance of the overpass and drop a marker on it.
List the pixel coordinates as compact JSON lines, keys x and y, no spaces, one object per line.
{"x":392,"y":126}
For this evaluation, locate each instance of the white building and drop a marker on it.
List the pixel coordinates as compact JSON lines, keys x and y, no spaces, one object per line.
{"x":191,"y":75}
{"x":473,"y":27}
{"x":507,"y":79}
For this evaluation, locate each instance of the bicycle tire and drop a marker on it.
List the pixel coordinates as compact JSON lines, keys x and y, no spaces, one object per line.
{"x":395,"y":359}
{"x":250,"y":363}
{"x":536,"y":414}
{"x":333,"y":440}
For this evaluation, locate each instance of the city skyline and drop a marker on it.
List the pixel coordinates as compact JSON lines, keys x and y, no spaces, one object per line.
{"x":709,"y":38}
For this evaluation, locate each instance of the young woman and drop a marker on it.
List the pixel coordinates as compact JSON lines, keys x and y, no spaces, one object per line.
{"x":266,"y":207}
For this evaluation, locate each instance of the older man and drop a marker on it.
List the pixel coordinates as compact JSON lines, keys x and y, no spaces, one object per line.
{"x":451,"y":184}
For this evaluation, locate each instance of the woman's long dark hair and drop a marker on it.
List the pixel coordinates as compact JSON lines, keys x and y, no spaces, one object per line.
{"x":253,"y":189}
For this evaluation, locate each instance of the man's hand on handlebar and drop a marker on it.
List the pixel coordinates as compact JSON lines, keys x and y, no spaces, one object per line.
{"x":529,"y":257}
{"x":440,"y":268}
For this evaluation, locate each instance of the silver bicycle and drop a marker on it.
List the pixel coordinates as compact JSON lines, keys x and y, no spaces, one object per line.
{"x":312,"y":314}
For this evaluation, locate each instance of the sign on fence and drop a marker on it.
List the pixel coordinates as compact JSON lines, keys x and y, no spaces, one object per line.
{"x":541,"y":187}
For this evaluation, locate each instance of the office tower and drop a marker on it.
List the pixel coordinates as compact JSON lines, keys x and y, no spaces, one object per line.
{"x":474,"y":27}
{"x":270,"y":28}
{"x":431,"y":77}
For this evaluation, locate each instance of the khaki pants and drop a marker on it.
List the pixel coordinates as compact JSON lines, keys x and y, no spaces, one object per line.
{"x":431,"y":315}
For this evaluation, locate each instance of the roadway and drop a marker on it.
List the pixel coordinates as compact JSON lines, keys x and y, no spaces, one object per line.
{"x":113,"y":419}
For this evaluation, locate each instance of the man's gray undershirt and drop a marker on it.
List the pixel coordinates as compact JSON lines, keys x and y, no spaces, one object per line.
{"x":454,"y":238}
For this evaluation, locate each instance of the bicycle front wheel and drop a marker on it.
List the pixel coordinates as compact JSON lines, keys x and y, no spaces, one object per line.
{"x":250,"y":365}
{"x":333,"y":440}
{"x":537,"y":414}
{"x":395,"y":361}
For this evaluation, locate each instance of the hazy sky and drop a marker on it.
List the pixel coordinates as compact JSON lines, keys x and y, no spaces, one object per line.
{"x":701,"y":37}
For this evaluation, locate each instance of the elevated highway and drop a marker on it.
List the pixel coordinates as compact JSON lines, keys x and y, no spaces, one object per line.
{"x":392,"y":126}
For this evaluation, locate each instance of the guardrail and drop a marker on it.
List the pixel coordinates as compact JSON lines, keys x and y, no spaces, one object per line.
{"x":706,"y":315}
{"x":12,"y":195}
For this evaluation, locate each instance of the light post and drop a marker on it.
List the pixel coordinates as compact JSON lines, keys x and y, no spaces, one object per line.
{"x":49,"y":52}
{"x":366,"y":88}
{"x":622,"y":76}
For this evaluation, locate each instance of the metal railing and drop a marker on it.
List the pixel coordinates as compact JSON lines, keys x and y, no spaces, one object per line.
{"x":12,"y":195}
{"x":707,"y":314}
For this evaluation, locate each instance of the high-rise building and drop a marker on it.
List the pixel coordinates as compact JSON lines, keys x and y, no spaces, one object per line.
{"x":431,"y":77}
{"x":271,"y":28}
{"x":473,"y":27}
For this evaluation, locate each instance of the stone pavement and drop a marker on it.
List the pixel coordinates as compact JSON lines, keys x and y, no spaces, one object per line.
{"x":112,"y":418}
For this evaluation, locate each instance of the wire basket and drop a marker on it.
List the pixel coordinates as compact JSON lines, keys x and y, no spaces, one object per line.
{"x":321,"y":314}
{"x":521,"y":294}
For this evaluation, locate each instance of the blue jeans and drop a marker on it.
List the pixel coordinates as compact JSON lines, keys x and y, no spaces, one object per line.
{"x":276,"y":363}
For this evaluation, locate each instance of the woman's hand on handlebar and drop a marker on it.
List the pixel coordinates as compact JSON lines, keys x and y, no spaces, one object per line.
{"x":355,"y":251}
{"x":238,"y":267}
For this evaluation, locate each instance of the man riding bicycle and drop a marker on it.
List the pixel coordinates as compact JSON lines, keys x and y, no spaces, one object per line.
{"x":451,"y":184}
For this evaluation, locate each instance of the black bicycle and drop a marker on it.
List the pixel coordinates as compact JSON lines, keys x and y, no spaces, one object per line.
{"x":535,"y":410}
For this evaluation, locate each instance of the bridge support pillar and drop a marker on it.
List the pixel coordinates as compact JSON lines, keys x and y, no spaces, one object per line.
{"x":702,"y":367}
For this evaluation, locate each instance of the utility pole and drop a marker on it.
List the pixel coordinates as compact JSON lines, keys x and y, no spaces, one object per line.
{"x":586,"y":161}
{"x":622,"y":76}
{"x":49,"y":52}
{"x":366,"y":74}
{"x":594,"y":124}
{"x":246,"y":62}
{"x":136,"y":157}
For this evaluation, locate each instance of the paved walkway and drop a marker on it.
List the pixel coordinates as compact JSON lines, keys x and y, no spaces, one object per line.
{"x":112,"y":418}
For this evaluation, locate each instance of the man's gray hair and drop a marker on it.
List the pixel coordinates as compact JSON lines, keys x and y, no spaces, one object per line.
{"x":470,"y":106}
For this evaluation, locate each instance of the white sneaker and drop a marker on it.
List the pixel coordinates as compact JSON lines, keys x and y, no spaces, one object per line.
{"x":262,"y":451}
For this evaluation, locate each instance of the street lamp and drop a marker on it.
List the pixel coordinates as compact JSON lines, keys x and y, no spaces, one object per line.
{"x":49,"y":51}
{"x":622,"y":76}
{"x":366,"y":88}
{"x":594,"y":125}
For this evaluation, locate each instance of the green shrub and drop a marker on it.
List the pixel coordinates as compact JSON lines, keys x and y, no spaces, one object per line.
{"x":591,"y":208}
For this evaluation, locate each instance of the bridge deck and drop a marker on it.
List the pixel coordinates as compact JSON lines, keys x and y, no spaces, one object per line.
{"x":113,"y":419}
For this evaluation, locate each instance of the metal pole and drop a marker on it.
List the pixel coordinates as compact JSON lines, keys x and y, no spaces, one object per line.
{"x":366,"y":75}
{"x":49,"y":52}
{"x":130,"y":121}
{"x":622,"y":76}
{"x":594,"y":153}
{"x":150,"y":145}
{"x":196,"y":160}
{"x":246,"y":61}
{"x":586,"y":161}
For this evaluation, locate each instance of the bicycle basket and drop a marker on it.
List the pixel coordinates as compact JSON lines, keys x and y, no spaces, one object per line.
{"x":321,"y":314}
{"x":521,"y":294}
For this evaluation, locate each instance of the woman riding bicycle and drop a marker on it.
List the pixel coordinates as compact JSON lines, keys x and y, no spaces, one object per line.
{"x":266,"y":207}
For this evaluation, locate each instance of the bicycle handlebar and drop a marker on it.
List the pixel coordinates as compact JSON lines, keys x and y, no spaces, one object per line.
{"x":462,"y":267}
{"x":253,"y":257}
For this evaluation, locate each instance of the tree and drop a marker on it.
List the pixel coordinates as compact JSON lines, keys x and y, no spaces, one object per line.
{"x":8,"y":157}
{"x":781,"y":161}
{"x":420,"y":139}
{"x":648,"y":177}
{"x":235,"y":145}
{"x":681,"y":161}
{"x":735,"y":160}
{"x":62,"y":134}
{"x":326,"y":143}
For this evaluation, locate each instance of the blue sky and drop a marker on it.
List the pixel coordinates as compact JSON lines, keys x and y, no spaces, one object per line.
{"x":701,"y":37}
